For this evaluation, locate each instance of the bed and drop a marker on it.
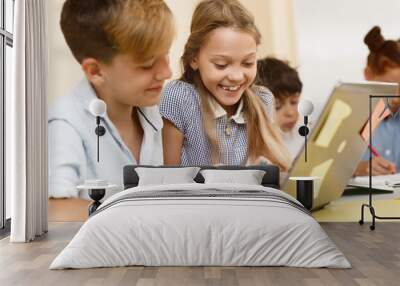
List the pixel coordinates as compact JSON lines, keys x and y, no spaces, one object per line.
{"x":201,"y":224}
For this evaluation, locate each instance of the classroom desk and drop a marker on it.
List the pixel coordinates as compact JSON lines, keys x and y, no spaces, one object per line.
{"x":348,"y":208}
{"x":345,"y":209}
{"x":68,"y":210}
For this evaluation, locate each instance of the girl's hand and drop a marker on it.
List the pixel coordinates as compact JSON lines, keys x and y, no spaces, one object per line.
{"x":380,"y":166}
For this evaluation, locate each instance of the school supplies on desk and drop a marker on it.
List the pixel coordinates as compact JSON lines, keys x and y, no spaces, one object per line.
{"x":384,"y":181}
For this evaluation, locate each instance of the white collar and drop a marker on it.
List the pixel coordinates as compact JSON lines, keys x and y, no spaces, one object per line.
{"x":150,"y":114}
{"x":218,"y":111}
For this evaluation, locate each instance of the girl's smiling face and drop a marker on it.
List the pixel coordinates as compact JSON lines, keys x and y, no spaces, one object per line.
{"x":227,"y":65}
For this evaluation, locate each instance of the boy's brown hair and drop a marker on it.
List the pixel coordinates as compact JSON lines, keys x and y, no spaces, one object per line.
{"x":101,"y":29}
{"x":279,"y":77}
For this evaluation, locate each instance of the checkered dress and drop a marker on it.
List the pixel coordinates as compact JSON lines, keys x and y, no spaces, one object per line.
{"x":180,"y":104}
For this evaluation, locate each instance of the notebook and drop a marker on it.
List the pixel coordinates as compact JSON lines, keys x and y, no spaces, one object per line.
{"x":386,"y":182}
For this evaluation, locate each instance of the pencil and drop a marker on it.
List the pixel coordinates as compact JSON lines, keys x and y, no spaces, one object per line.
{"x":373,"y":150}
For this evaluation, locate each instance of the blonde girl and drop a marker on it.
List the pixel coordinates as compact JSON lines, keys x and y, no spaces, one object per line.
{"x":214,"y":114}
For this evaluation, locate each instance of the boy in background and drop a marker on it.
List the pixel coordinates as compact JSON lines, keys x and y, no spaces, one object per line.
{"x":285,"y":84}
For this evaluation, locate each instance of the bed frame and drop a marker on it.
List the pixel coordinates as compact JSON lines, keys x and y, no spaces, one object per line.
{"x":270,"y":179}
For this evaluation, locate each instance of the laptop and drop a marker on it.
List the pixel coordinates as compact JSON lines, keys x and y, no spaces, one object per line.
{"x":335,"y":145}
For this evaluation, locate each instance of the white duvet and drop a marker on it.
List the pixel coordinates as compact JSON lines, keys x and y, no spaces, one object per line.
{"x":225,"y":225}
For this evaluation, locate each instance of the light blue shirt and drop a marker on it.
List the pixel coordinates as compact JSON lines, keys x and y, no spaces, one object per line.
{"x":73,"y":144}
{"x":386,"y":140}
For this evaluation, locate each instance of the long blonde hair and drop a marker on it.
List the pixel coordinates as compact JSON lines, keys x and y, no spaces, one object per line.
{"x":263,"y":137}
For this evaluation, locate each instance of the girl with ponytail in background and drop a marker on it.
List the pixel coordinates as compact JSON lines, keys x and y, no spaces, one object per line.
{"x":383,"y":64}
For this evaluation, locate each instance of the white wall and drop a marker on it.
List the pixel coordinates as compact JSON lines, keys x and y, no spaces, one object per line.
{"x":64,"y":72}
{"x":330,"y":40}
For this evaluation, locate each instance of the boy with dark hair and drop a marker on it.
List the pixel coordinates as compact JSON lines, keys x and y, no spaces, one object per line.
{"x":122,"y":47}
{"x":285,"y":84}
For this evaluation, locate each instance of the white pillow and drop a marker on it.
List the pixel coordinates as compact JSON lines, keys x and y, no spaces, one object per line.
{"x":248,"y":177}
{"x":166,"y":176}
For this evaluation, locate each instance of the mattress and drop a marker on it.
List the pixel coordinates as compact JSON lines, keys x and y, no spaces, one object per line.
{"x":201,"y":225}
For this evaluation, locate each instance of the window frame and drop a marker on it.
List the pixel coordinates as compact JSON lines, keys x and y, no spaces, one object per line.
{"x":6,"y":39}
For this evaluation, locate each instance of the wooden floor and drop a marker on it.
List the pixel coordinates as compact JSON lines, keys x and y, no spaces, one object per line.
{"x":375,"y":257}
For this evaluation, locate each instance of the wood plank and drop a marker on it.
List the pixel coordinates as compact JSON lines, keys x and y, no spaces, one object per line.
{"x":68,"y":210}
{"x":375,"y":257}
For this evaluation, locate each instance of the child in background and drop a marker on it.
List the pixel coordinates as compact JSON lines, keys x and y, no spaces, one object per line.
{"x":122,"y":47}
{"x":383,"y":64}
{"x":214,"y":114}
{"x":285,"y":84}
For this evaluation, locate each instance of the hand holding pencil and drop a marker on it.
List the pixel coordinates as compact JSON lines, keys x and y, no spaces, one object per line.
{"x":380,"y":166}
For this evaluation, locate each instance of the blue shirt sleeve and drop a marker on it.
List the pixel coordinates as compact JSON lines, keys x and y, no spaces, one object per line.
{"x":382,"y":139}
{"x":365,"y":157}
{"x":66,"y":160}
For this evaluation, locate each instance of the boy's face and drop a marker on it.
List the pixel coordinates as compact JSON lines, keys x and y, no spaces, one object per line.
{"x":133,"y":83}
{"x":286,"y":111}
{"x":227,"y":64}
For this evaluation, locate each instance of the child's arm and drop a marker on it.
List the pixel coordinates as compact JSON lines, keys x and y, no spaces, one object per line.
{"x":380,"y":167}
{"x":66,"y":160}
{"x":175,"y":108}
{"x":172,"y":143}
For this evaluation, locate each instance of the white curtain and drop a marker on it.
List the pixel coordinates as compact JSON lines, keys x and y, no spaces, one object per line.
{"x":26,"y":123}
